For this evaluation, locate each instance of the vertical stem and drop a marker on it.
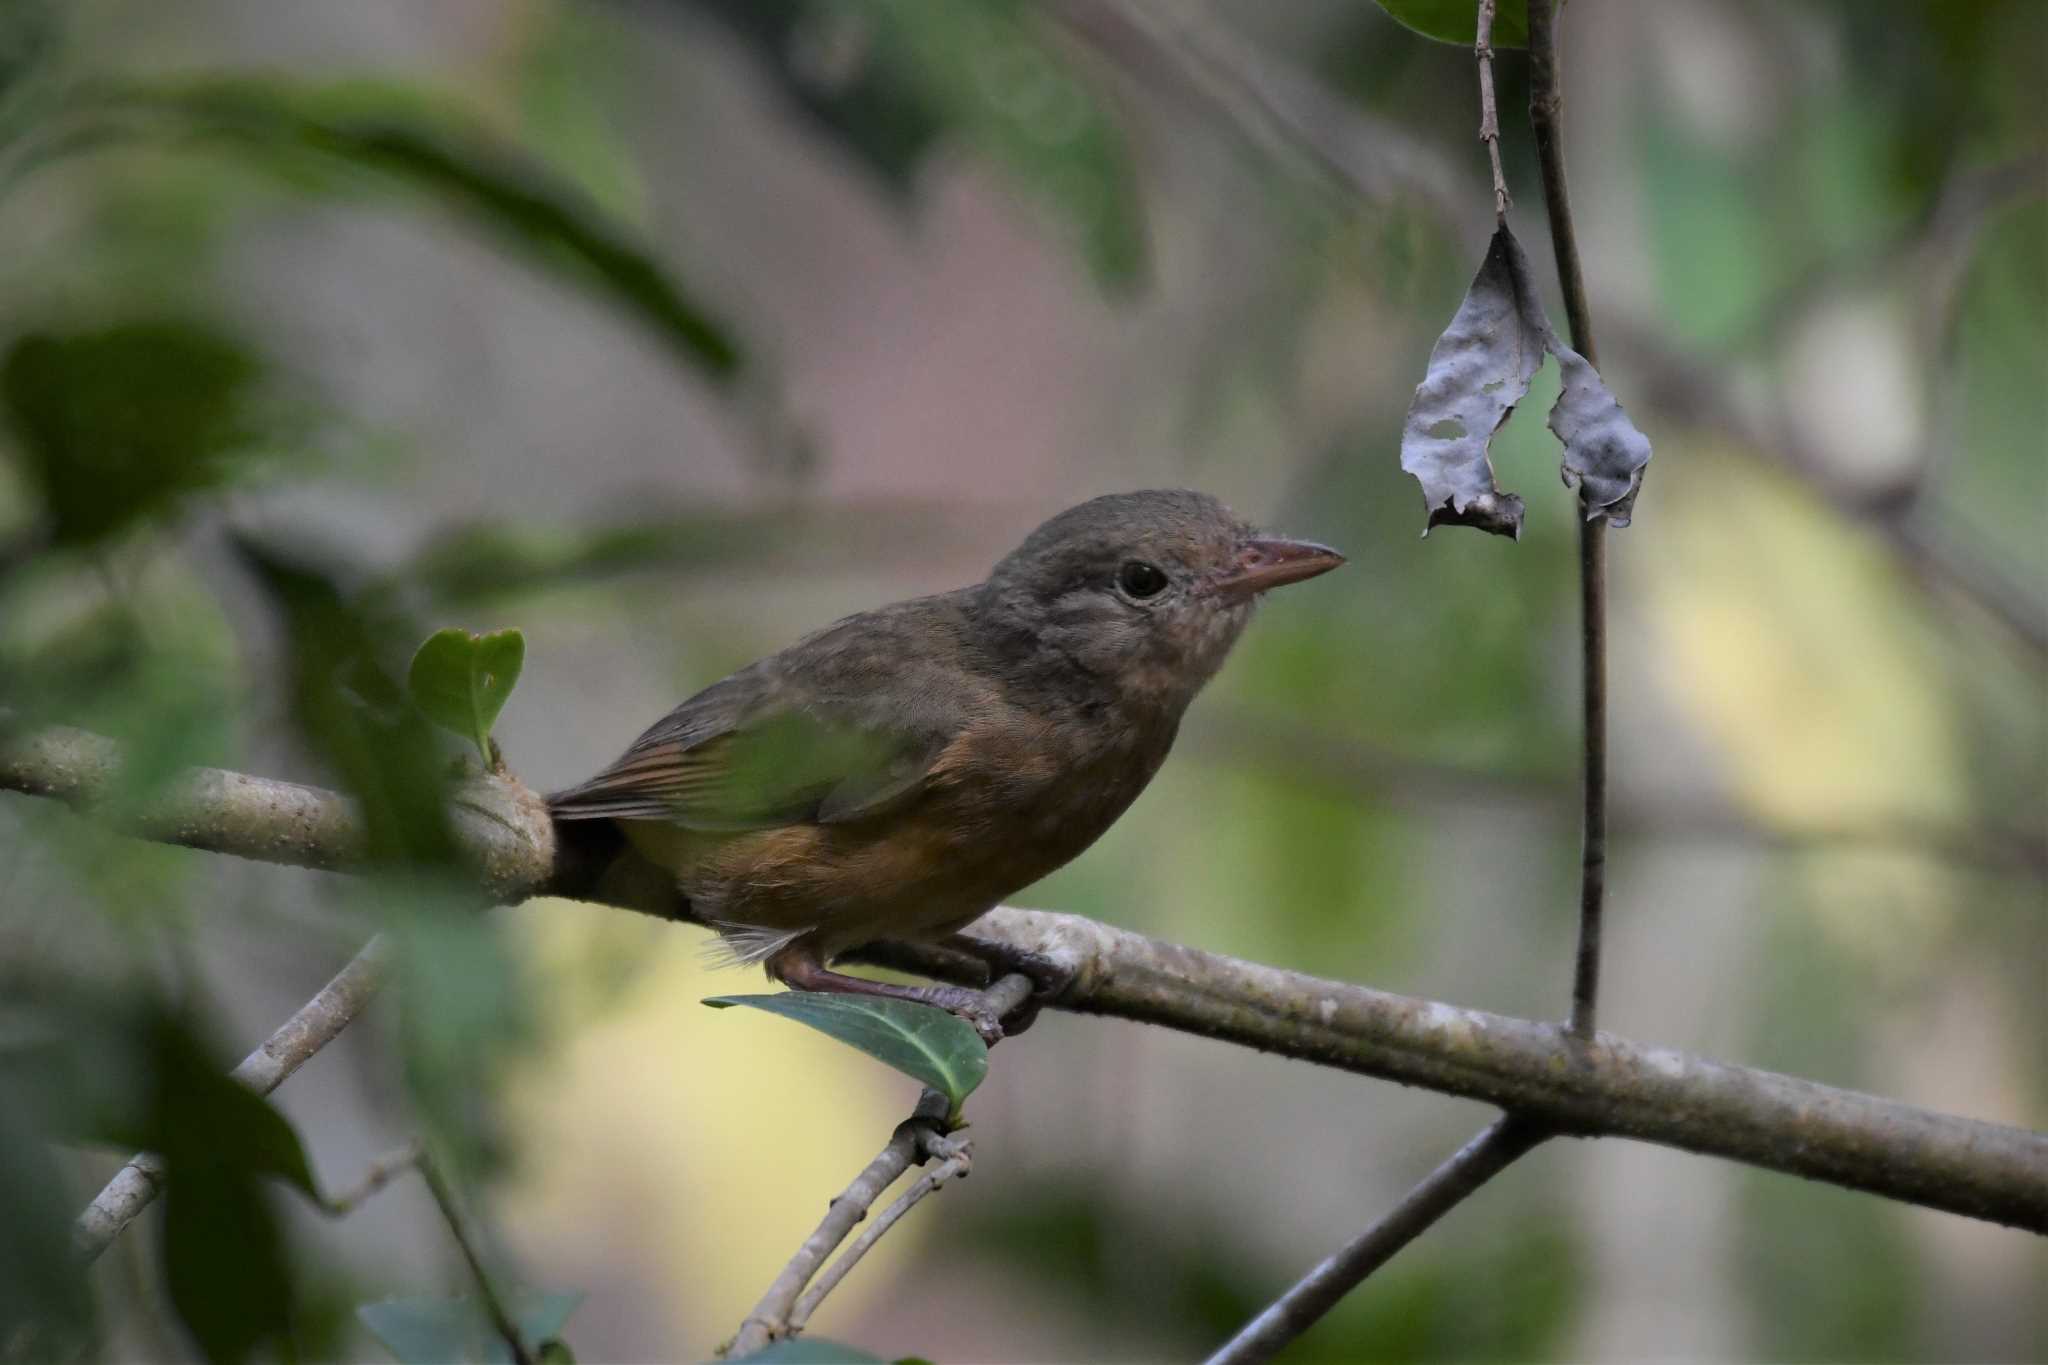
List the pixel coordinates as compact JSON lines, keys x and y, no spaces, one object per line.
{"x":501,"y":1321}
{"x":1489,"y":113}
{"x":1593,"y":848}
{"x":1546,"y":105}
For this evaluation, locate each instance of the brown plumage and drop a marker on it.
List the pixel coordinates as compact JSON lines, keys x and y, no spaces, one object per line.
{"x":901,"y":771}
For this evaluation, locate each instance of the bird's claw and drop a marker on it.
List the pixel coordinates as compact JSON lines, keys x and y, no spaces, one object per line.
{"x":984,"y":1021}
{"x":971,"y":1006}
{"x":1049,"y":979}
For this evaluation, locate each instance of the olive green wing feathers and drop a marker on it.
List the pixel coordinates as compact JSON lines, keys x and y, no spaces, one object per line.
{"x":782,"y":765}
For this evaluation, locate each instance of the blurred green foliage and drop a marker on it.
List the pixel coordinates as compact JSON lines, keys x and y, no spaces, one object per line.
{"x":121,"y":424}
{"x":372,"y":127}
{"x":1101,"y":1248}
{"x":890,"y":80}
{"x":1454,"y":21}
{"x":435,"y":1331}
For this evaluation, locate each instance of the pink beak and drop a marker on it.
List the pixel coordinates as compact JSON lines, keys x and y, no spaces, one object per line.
{"x":1268,"y":562}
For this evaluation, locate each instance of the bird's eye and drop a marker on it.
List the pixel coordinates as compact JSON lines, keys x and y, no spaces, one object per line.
{"x":1140,"y":579}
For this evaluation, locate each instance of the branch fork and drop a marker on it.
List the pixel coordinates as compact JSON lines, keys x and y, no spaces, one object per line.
{"x":924,"y":1136}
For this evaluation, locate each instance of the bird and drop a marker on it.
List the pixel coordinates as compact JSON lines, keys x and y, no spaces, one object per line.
{"x":900,"y":772}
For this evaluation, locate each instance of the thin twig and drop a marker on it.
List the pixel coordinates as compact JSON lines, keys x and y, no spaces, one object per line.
{"x":1442,"y":1190}
{"x":1546,"y":105}
{"x":1593,"y":845}
{"x":494,"y":1307}
{"x":316,"y":1024}
{"x":1489,"y":114}
{"x":956,"y":1158}
{"x":784,"y":1307}
{"x":768,"y":1320}
{"x":380,"y":1173}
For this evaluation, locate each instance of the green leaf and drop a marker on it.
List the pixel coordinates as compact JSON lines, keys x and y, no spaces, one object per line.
{"x":351,"y":712}
{"x":429,"y":1331}
{"x":461,"y":681}
{"x":196,"y":1115}
{"x":225,"y":1262}
{"x":921,"y":1041}
{"x":227,"y":1265}
{"x":1457,"y":21}
{"x":119,"y":424}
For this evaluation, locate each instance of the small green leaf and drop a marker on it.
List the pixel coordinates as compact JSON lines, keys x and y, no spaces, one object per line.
{"x":427,"y":1331}
{"x":461,"y":680}
{"x":921,"y":1041}
{"x":1457,"y":21}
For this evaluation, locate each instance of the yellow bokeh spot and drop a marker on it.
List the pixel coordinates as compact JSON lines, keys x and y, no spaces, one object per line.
{"x":1790,"y":640}
{"x":696,"y":1147}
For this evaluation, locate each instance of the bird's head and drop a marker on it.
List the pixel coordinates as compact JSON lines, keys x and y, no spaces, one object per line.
{"x":1145,"y":592}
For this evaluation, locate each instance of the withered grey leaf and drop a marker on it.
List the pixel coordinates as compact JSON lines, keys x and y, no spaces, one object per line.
{"x":1479,"y":369}
{"x":1604,"y":453}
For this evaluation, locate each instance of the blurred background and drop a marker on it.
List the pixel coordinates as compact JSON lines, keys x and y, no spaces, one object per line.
{"x":667,"y":331}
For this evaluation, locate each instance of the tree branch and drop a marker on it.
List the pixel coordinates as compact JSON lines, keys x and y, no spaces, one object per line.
{"x":1442,"y":1190}
{"x":955,"y":1158}
{"x":316,"y":1024}
{"x":1602,"y":1085}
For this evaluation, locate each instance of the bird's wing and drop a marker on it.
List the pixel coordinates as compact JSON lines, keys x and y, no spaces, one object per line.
{"x":778,"y":765}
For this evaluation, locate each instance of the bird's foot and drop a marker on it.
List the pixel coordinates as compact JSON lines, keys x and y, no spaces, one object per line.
{"x":798,"y":967}
{"x":970,"y":1005}
{"x":1049,"y":979}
